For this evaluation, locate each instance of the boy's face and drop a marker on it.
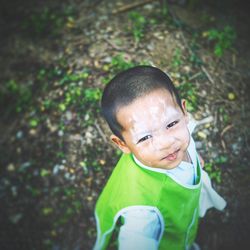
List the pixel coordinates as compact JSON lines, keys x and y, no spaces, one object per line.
{"x":155,"y":130}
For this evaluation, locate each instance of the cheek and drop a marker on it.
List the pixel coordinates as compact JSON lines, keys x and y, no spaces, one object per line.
{"x":144,"y":151}
{"x":183,"y":135}
{"x":186,"y":137}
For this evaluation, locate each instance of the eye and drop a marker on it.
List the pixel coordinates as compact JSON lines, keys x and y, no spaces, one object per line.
{"x":172,"y":124}
{"x":144,"y":138}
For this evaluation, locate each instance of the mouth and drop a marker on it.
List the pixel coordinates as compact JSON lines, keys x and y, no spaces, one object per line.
{"x":172,"y":156}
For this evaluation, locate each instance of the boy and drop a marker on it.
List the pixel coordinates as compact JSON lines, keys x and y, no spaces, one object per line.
{"x":154,"y":190}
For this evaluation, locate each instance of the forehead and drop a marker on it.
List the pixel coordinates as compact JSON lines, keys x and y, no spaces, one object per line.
{"x":156,"y":106}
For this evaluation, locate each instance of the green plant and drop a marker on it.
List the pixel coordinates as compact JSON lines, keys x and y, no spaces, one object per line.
{"x":34,"y":122}
{"x":138,"y":23}
{"x":120,"y":63}
{"x":222,"y":39}
{"x":214,"y":167}
{"x":213,"y":171}
{"x":92,"y":94}
{"x":188,"y":91}
{"x":224,"y":115}
{"x":19,"y":95}
{"x":194,"y":48}
{"x":46,"y":21}
{"x":49,"y":21}
{"x":176,"y":60}
{"x":164,"y":8}
{"x":70,"y":77}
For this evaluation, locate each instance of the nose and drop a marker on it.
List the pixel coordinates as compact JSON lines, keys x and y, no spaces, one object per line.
{"x":162,"y":140}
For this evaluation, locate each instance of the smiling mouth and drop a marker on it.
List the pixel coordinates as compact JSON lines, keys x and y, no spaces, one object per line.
{"x":172,"y":156}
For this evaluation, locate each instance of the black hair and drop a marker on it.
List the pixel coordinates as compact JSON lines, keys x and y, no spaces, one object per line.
{"x":129,"y":85}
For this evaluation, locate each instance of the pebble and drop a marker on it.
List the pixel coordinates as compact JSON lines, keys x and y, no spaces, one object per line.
{"x":107,"y":59}
{"x":69,"y":177}
{"x":32,"y":132}
{"x":158,"y":35}
{"x":86,"y":117}
{"x":198,"y":144}
{"x":19,"y":134}
{"x":16,"y":218}
{"x":231,"y":96}
{"x":6,"y":182}
{"x":25,"y":165}
{"x":69,"y":115}
{"x":36,"y":172}
{"x":11,"y":167}
{"x":60,"y":133}
{"x":14,"y":190}
{"x":148,"y":7}
{"x":151,"y":46}
{"x":56,"y":169}
{"x":202,"y":135}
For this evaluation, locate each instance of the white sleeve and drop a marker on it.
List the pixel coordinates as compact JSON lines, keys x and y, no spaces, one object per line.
{"x":140,"y":231}
{"x":209,"y":197}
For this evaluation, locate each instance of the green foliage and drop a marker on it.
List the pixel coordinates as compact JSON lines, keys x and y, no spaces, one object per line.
{"x":73,"y":94}
{"x":19,"y":95}
{"x":194,"y":46}
{"x":224,"y":115}
{"x":214,"y":173}
{"x":120,"y":63}
{"x":138,"y":24}
{"x":92,"y":94}
{"x":214,"y":167}
{"x":222,"y":39}
{"x":33,"y":122}
{"x":48,"y":21}
{"x":73,"y":77}
{"x":176,"y":60}
{"x":188,"y":91}
{"x":164,"y":8}
{"x":44,"y":22}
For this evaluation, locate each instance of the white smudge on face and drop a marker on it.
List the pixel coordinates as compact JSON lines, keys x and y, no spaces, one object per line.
{"x":153,"y":120}
{"x":154,"y":126}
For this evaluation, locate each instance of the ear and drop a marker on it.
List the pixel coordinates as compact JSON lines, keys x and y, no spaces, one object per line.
{"x":120,"y":144}
{"x":183,"y":104}
{"x":184,"y":107}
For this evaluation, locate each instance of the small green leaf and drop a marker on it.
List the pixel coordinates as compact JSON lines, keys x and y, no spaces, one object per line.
{"x":33,"y":123}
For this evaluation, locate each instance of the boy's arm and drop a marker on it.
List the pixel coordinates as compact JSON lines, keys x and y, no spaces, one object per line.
{"x":141,"y":230}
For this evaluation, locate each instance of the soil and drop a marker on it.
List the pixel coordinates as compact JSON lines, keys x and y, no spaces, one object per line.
{"x":54,"y":162}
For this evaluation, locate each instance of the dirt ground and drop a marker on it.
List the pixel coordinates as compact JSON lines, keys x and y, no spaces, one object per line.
{"x":55,"y":154}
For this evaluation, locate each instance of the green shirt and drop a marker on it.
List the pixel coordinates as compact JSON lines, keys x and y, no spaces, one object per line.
{"x":131,"y":186}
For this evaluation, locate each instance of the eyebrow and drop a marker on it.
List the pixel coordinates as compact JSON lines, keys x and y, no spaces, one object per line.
{"x":149,"y":131}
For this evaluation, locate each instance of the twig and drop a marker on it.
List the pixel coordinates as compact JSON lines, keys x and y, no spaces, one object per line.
{"x":191,"y":52}
{"x":100,"y":131}
{"x":186,"y":43}
{"x":131,"y":6}
{"x":223,"y":144}
{"x":206,"y":120}
{"x":226,"y":129}
{"x":113,"y":45}
{"x":194,"y":76}
{"x":207,"y":74}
